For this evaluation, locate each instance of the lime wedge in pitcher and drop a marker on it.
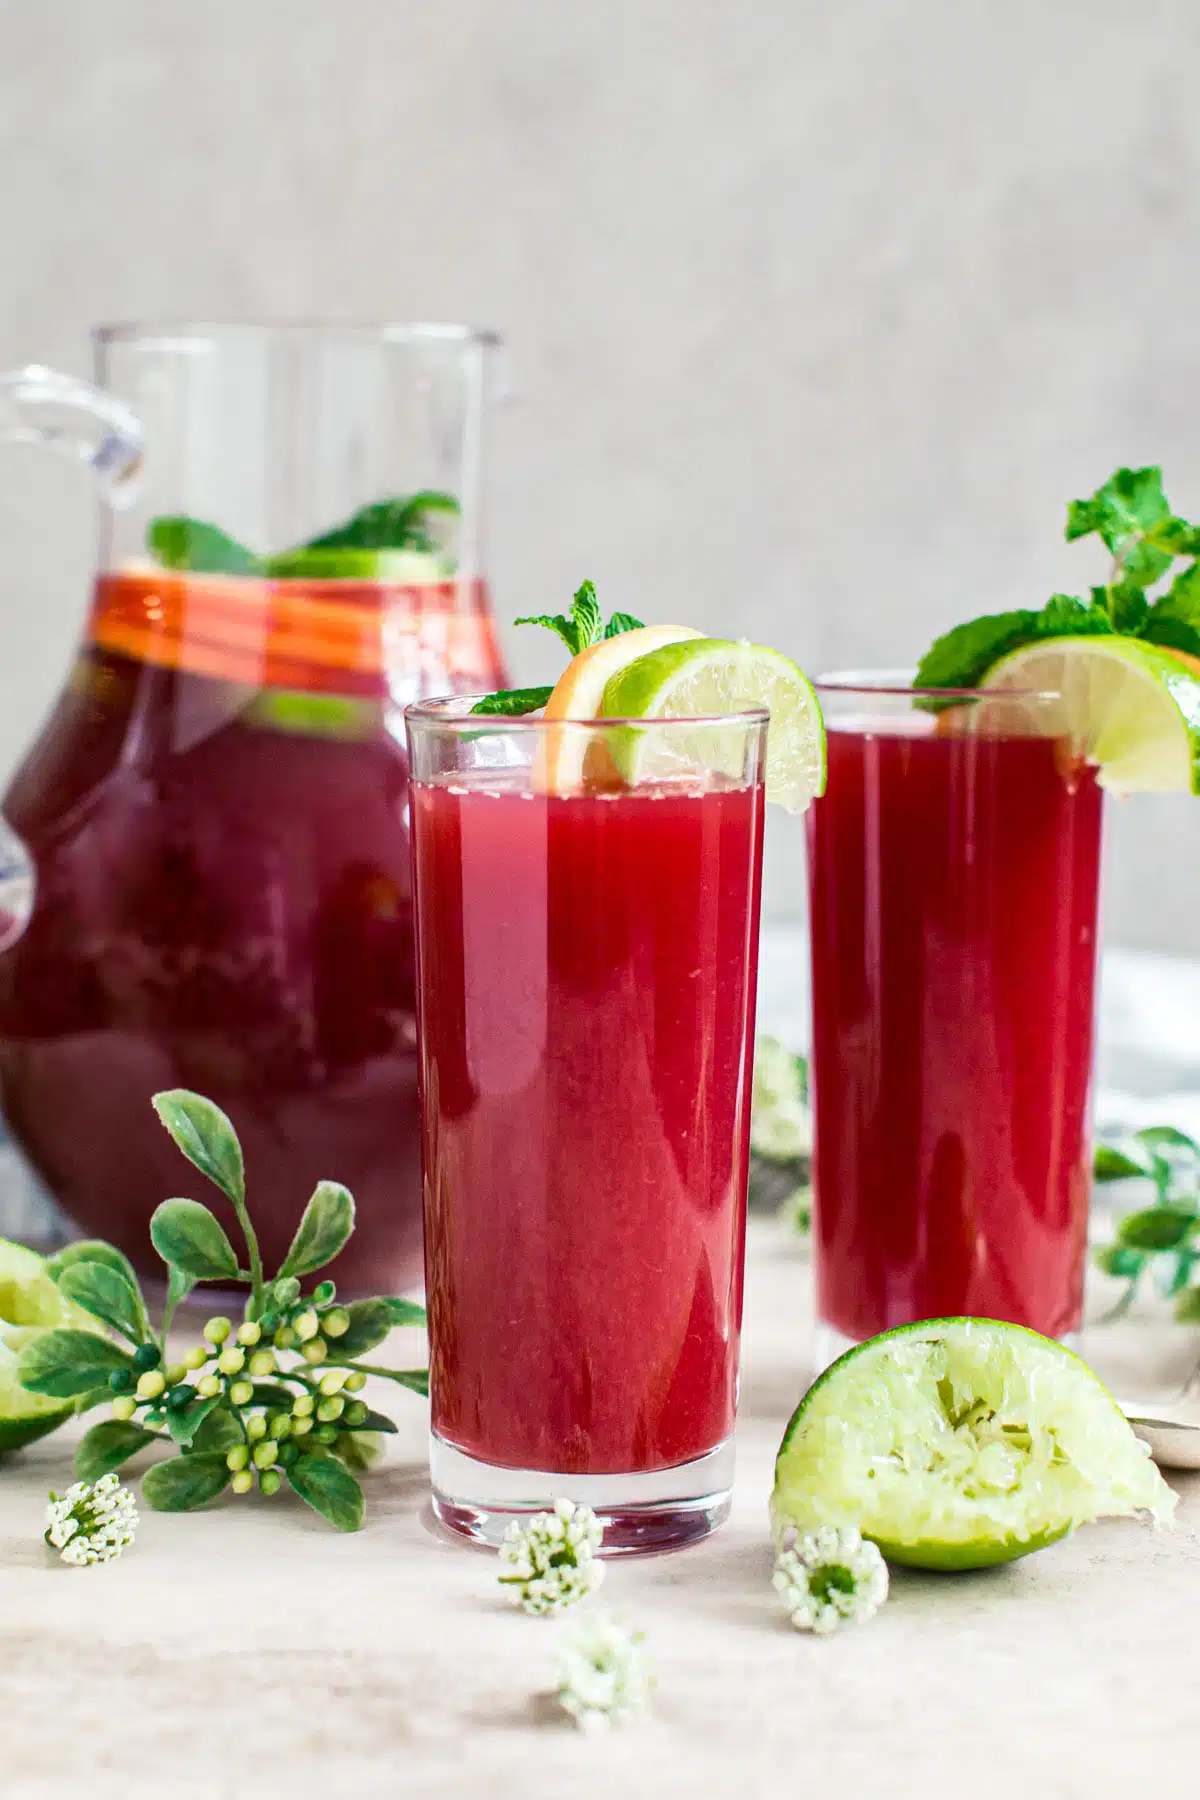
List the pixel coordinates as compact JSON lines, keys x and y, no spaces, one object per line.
{"x":1130,"y":708}
{"x":957,"y":1443}
{"x":700,"y":678}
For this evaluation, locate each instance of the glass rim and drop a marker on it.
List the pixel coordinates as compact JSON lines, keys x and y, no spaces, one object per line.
{"x":436,"y":713}
{"x":380,"y":331}
{"x":900,"y":684}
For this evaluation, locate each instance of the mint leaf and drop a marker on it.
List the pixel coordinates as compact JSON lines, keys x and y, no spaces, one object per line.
{"x":192,"y":544}
{"x":396,"y":524}
{"x":1174,"y":620}
{"x":963,"y":656}
{"x":1127,"y":606}
{"x":1129,"y":505}
{"x":513,"y":703}
{"x":582,"y":628}
{"x":620,"y":623}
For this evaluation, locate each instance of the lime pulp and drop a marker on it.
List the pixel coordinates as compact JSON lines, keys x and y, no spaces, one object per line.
{"x":956,"y":1443}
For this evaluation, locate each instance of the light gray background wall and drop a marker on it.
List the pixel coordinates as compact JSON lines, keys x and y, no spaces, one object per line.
{"x":819,"y":312}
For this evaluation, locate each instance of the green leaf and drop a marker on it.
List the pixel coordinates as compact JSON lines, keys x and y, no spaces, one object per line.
{"x":1129,"y":505}
{"x":963,"y":656}
{"x":1119,"y":1259}
{"x":1176,"y":536}
{"x":329,"y":1488}
{"x":182,"y":543}
{"x":1174,"y":620}
{"x":1128,"y":608}
{"x":205,"y":1136}
{"x":219,"y":1431}
{"x":1187,"y":1306}
{"x":370,"y":1323}
{"x":272,"y":1395}
{"x":396,"y":524}
{"x":185,"y":1482}
{"x":184,"y":1425}
{"x":326,"y":1225}
{"x":1157,"y":1227}
{"x":108,"y":1445}
{"x":1113,"y":1165}
{"x":106,"y":1293}
{"x":65,"y":1362}
{"x":621,"y":622}
{"x":583,"y":628}
{"x":404,"y":1312}
{"x":189,"y":1237}
{"x":374,"y":1421}
{"x":1172,"y":1272}
{"x":179,"y":1286}
{"x":1168,"y":1137}
{"x":513,"y":703}
{"x":91,"y":1250}
{"x":416,"y":1379}
{"x":360,"y":1449}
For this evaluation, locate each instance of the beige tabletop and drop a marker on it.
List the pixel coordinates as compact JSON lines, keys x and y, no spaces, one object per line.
{"x":248,"y":1650}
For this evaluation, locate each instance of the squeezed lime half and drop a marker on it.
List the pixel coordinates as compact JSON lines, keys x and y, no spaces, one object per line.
{"x":1130,"y":708}
{"x":30,"y":1303}
{"x":957,"y":1443}
{"x":702,"y":678}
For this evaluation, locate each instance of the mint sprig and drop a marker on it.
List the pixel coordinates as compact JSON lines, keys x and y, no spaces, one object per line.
{"x":579,"y":629}
{"x":404,"y":522}
{"x":1133,"y":518}
{"x":1161,"y":1240}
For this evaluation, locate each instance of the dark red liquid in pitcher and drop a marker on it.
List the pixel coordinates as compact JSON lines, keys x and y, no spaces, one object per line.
{"x":953,"y":883}
{"x":223,"y":903}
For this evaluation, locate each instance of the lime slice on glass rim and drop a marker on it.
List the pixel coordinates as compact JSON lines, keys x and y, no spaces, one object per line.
{"x":703,"y":678}
{"x":1129,"y":708}
{"x":957,"y":1443}
{"x":30,"y":1303}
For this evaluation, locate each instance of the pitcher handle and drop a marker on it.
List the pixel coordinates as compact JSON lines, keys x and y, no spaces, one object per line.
{"x":41,"y":406}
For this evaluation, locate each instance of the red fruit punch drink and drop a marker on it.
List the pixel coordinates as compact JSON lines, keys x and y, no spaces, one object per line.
{"x":586,"y":965}
{"x":954,"y":866}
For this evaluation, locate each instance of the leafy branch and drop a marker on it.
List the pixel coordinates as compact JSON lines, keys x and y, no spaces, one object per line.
{"x":1161,"y":1240}
{"x":1133,"y":518}
{"x":237,"y":1415}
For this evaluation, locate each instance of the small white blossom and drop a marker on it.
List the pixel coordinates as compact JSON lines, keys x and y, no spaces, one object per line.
{"x":91,"y":1523}
{"x":550,"y":1560}
{"x":604,"y":1675}
{"x":828,"y":1576}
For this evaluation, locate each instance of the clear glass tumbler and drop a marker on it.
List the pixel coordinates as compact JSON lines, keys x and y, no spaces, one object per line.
{"x":587,"y":902}
{"x":954,"y":866}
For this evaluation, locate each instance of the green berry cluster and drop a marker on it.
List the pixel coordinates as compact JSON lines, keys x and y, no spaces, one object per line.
{"x":225,"y":1366}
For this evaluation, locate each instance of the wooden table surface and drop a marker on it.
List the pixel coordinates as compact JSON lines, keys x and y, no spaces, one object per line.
{"x":249,"y":1651}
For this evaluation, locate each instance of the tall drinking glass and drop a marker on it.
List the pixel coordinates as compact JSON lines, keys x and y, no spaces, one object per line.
{"x":587,"y":903}
{"x":953,"y":865}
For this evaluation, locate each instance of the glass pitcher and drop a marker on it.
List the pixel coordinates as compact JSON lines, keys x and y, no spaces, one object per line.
{"x":216,"y":811}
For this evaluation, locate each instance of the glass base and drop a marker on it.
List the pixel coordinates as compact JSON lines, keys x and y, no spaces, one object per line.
{"x":829,"y":1343}
{"x":663,"y":1509}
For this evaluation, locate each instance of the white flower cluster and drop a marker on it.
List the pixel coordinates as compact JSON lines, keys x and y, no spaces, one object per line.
{"x":829,"y":1576}
{"x":604,"y":1675}
{"x":550,"y":1561}
{"x":91,"y":1524}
